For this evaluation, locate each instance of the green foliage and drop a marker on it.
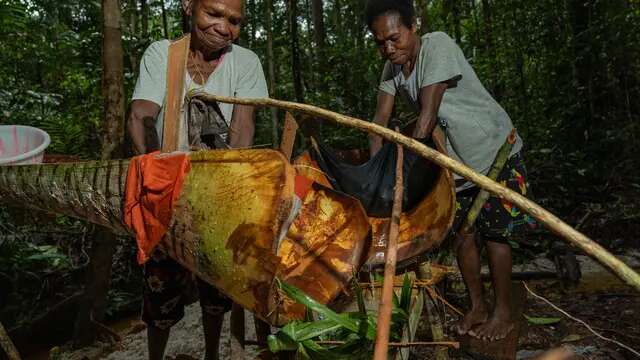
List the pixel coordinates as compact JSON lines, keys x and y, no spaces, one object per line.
{"x":542,"y":320}
{"x":356,"y":330}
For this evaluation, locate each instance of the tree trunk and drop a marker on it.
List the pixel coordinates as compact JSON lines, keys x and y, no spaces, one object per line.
{"x":319,"y":34}
{"x":423,"y":13}
{"x":250,"y":13}
{"x":455,"y":12}
{"x":112,"y":80}
{"x":133,"y":34}
{"x":337,"y":16}
{"x":295,"y":52}
{"x":144,"y":9}
{"x":490,"y":49}
{"x":165,"y":24}
{"x":271,"y":73}
{"x":92,"y":306}
{"x":583,"y":69}
{"x":186,"y":22}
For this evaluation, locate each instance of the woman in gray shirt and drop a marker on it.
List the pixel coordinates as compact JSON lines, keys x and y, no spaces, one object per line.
{"x":438,"y":83}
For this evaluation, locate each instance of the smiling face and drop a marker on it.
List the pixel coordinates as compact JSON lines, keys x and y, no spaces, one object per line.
{"x":215,"y":23}
{"x":396,"y":42}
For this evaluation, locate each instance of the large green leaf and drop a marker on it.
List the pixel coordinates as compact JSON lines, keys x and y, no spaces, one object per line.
{"x":323,"y":310}
{"x":405,"y":294}
{"x":300,"y":331}
{"x":542,"y":320}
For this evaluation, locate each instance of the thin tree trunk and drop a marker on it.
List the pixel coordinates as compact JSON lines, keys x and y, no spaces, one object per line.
{"x":112,"y":80}
{"x":186,"y":23}
{"x":144,"y":9}
{"x":319,"y":34}
{"x":455,"y":12}
{"x":337,"y":16}
{"x":250,"y":12}
{"x":272,"y":73}
{"x":490,"y":49}
{"x":133,"y":31}
{"x":476,"y":26}
{"x":93,"y":305}
{"x":583,"y":68}
{"x":165,"y":24}
{"x":309,"y":50}
{"x":423,"y":12}
{"x":295,"y":52}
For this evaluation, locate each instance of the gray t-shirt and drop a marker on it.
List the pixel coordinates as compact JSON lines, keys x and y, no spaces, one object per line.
{"x":239,"y":74}
{"x":476,"y":124}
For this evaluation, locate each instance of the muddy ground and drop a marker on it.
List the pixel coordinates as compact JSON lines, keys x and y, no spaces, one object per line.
{"x":600,"y":299}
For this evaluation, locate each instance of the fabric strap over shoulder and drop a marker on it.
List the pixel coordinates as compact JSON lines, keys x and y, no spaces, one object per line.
{"x":176,"y":67}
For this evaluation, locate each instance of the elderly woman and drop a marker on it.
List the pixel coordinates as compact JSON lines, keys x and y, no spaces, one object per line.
{"x":216,"y":66}
{"x":432,"y":75}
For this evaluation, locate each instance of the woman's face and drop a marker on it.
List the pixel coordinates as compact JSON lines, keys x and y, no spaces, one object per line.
{"x":216,"y":23}
{"x":396,"y":42}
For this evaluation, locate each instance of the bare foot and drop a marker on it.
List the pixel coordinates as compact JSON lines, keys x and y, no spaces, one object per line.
{"x":473,"y":317}
{"x":496,"y":328}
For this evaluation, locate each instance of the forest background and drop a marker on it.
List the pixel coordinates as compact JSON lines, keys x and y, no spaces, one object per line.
{"x":567,"y":72}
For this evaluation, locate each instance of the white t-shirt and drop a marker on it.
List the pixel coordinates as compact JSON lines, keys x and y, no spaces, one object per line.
{"x":239,"y":74}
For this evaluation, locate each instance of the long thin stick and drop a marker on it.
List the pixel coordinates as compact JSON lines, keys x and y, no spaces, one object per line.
{"x":386,"y":303}
{"x":636,"y":353}
{"x":7,"y":345}
{"x":546,"y":218}
{"x":483,"y":195}
{"x":453,"y":344}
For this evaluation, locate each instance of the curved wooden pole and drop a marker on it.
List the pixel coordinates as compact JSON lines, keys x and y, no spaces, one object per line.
{"x":546,"y":218}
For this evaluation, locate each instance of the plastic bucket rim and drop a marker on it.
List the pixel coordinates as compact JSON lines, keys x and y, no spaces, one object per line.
{"x":40,"y":149}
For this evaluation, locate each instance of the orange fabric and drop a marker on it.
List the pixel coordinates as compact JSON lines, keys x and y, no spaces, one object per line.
{"x":154,"y":183}
{"x":302,"y":185}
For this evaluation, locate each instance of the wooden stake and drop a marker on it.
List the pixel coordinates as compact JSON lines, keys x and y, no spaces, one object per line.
{"x":543,"y":216}
{"x":386,"y":303}
{"x":288,"y":135}
{"x":434,"y":319}
{"x":7,"y":344}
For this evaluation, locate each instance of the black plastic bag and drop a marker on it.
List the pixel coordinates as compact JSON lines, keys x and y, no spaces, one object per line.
{"x":373,"y":182}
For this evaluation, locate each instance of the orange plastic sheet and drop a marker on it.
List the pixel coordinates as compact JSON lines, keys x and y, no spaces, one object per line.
{"x":154,"y":183}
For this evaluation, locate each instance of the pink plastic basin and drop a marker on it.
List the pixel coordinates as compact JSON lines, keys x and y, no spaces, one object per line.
{"x":22,"y":144}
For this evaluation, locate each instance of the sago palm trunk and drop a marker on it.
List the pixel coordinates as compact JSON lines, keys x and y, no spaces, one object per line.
{"x":235,"y":224}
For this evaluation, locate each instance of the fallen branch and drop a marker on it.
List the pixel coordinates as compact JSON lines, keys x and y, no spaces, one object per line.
{"x":7,"y":345}
{"x":453,"y":344}
{"x":555,"y":307}
{"x":543,"y":216}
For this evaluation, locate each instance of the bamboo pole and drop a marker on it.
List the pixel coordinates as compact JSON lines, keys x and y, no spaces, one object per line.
{"x":7,"y":344}
{"x":483,"y":195}
{"x":543,"y":216}
{"x":386,"y":302}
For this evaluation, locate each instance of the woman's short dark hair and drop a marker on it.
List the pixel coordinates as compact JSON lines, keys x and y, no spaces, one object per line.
{"x":377,"y":8}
